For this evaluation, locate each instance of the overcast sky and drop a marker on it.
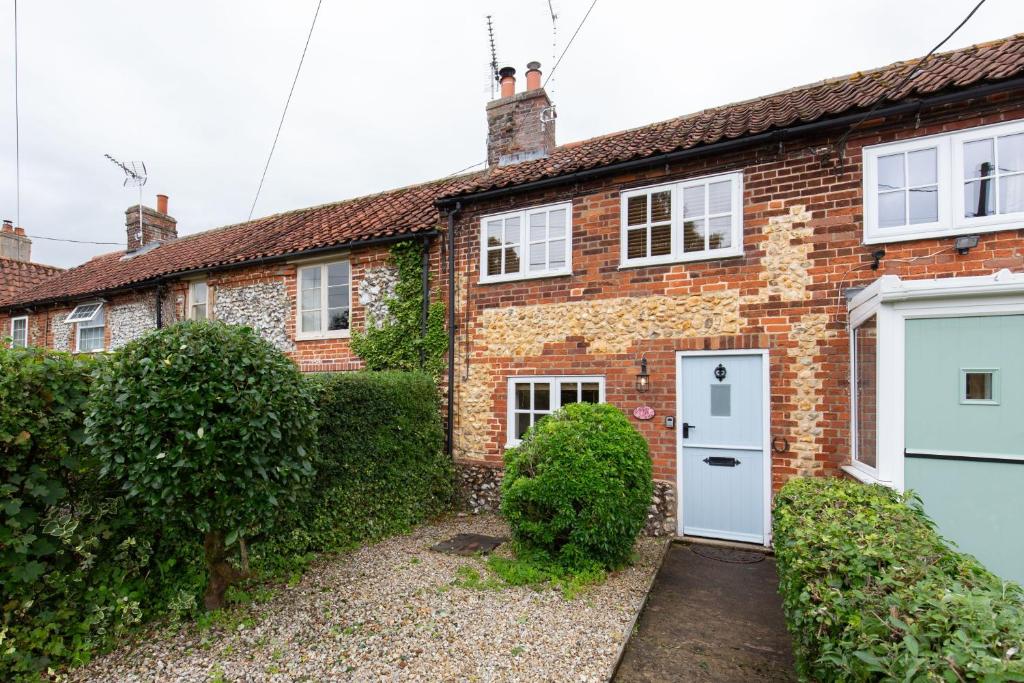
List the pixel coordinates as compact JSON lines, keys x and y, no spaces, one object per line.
{"x":392,"y":92}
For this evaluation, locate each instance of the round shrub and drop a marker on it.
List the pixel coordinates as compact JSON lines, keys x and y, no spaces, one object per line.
{"x":579,"y":486}
{"x":209,"y":428}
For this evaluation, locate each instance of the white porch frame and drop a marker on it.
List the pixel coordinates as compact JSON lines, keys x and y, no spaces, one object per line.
{"x":766,"y":410}
{"x":895,"y":301}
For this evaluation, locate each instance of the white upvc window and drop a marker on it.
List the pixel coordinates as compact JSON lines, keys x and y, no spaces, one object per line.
{"x":324,"y":300}
{"x":864,"y":395}
{"x":691,"y":220}
{"x":526,"y":244}
{"x":944,"y":185}
{"x":19,"y":331}
{"x":198,"y":300}
{"x":91,"y":325}
{"x":530,"y":399}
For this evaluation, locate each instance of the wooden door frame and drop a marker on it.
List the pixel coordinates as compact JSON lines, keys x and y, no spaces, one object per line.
{"x":766,"y":394}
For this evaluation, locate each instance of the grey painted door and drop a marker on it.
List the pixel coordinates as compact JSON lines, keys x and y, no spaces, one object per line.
{"x":722,"y":442}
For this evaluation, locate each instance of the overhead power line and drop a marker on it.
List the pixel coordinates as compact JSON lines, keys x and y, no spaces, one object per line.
{"x":63,"y":239}
{"x":285,"y":112}
{"x":569,"y":44}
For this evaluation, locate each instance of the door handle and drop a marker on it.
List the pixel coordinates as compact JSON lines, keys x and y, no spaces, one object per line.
{"x":686,"y":429}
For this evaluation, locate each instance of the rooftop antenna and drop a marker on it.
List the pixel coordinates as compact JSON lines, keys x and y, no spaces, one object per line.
{"x":494,"y":55}
{"x":554,"y":36}
{"x":134,"y":176}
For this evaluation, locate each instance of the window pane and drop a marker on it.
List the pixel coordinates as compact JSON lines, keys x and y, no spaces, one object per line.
{"x":636,"y":243}
{"x":556,"y":254}
{"x":891,"y":209}
{"x":890,"y":172}
{"x":310,"y":278}
{"x":924,"y":204}
{"x":721,"y":400}
{"x":693,"y":236}
{"x":542,"y":396}
{"x":511,"y":260}
{"x":199,"y":312}
{"x":865,"y":353}
{"x":337,"y":297}
{"x":538,"y":256}
{"x":978,"y":159}
{"x":923,"y":166}
{"x":538,"y":227}
{"x":979,"y":386}
{"x":556,"y":224}
{"x":523,"y":396}
{"x":1011,"y":153}
{"x":311,"y":321}
{"x":522,"y":424}
{"x":337,"y":319}
{"x":591,"y":392}
{"x":512,"y":230}
{"x":978,"y":199}
{"x":199,"y":291}
{"x":661,"y":207}
{"x":493,"y":233}
{"x":1011,"y":194}
{"x":720,"y":197}
{"x":494,"y":261}
{"x":569,"y":392}
{"x":337,"y":274}
{"x":90,"y":338}
{"x":719,"y":232}
{"x":636,"y":210}
{"x":19,"y":333}
{"x":310,"y":299}
{"x":661,"y":240}
{"x":693,"y":201}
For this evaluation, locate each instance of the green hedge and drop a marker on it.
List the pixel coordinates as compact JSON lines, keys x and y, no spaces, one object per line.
{"x":871,"y":592}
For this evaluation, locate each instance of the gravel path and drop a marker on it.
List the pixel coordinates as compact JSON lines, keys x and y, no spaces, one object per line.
{"x":391,"y":612}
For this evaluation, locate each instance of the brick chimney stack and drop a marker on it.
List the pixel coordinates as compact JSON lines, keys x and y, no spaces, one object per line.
{"x":157,"y":225}
{"x":520,"y":126}
{"x":14,"y":244}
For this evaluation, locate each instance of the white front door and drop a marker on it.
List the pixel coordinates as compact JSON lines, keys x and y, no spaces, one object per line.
{"x":723,"y":457}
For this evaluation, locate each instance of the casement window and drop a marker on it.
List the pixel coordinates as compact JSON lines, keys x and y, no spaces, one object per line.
{"x":943,"y":185}
{"x":19,"y":331}
{"x":865,"y":395}
{"x":530,"y":399}
{"x":90,"y":325}
{"x":526,"y":244}
{"x":692,"y":220}
{"x":324,"y":300}
{"x":198,"y":300}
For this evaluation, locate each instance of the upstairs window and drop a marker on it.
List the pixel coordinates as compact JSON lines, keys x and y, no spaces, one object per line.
{"x":19,"y":332}
{"x":198,"y":300}
{"x":526,"y":244}
{"x":942,"y":185}
{"x":324,"y":300}
{"x":691,"y":220}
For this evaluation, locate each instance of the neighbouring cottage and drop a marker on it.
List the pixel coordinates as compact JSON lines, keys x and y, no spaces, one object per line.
{"x":824,"y":281}
{"x":19,"y":274}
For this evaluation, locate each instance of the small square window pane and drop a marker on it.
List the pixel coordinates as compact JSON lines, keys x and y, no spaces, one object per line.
{"x":693,"y":201}
{"x":556,"y":224}
{"x":661,"y":240}
{"x":978,"y":386}
{"x":310,"y":299}
{"x":311,"y":321}
{"x":1011,"y":153}
{"x":337,"y":274}
{"x":337,"y":319}
{"x":1011,"y":194}
{"x":523,"y":396}
{"x":538,"y":256}
{"x":720,"y":197}
{"x":511,"y":260}
{"x":494,"y":262}
{"x":636,"y":243}
{"x":636,"y":210}
{"x":512,"y":230}
{"x":311,"y":278}
{"x":556,"y":254}
{"x":542,"y":396}
{"x":538,"y":227}
{"x":337,"y":297}
{"x":979,"y":199}
{"x":693,"y":235}
{"x":590,"y":393}
{"x":978,"y":159}
{"x":721,"y":400}
{"x":924,"y":205}
{"x":493,"y":233}
{"x":522,"y":424}
{"x":661,"y":207}
{"x":891,"y":209}
{"x":890,"y":173}
{"x":923,"y":167}
{"x":569,"y":392}
{"x":720,"y":232}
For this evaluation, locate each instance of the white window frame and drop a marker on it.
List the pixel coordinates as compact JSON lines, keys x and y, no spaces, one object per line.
{"x":96,"y":320}
{"x":192,"y":303}
{"x":855,"y":324}
{"x":556,"y":396}
{"x":14,"y":339}
{"x":83,"y":313}
{"x":993,"y":373}
{"x":524,"y":272}
{"x":324,"y":333}
{"x":950,"y":176}
{"x":677,"y":255}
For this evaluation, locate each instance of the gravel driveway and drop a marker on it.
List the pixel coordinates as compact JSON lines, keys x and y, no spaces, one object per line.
{"x":391,"y":612}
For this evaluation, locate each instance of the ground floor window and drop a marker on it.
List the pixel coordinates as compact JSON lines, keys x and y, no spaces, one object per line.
{"x":531,"y":398}
{"x":865,"y":394}
{"x":19,"y":331}
{"x":90,"y":321}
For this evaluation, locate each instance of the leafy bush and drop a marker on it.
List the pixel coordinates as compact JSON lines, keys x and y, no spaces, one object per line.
{"x":579,"y":486}
{"x":871,"y":592}
{"x":381,"y":467}
{"x":210,"y":429}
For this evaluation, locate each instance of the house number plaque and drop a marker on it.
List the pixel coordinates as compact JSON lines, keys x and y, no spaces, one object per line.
{"x":643,"y":412}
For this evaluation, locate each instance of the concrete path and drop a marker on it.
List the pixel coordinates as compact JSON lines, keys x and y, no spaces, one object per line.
{"x":710,"y":619}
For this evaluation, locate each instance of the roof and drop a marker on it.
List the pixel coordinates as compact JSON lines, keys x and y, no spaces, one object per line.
{"x":19,"y":276}
{"x":404,"y":211}
{"x":996,"y":60}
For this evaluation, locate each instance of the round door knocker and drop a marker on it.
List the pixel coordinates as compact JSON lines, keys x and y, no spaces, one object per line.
{"x":720,"y":372}
{"x":780,"y":444}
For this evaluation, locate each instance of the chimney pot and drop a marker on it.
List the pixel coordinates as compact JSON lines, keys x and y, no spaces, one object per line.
{"x":161,"y":203}
{"x":8,"y":226}
{"x":532,"y":76}
{"x":507,"y":78}
{"x":19,"y":231}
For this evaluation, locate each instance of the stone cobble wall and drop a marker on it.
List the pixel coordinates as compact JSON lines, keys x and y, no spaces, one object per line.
{"x":264,"y":306}
{"x":130,"y":319}
{"x":376,"y":287}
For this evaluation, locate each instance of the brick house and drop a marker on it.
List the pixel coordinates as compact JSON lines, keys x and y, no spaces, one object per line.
{"x":822,"y":281}
{"x":19,"y":274}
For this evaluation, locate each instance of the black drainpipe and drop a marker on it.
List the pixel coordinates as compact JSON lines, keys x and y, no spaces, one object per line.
{"x":449,"y":443}
{"x":159,"y":307}
{"x":425,"y":310}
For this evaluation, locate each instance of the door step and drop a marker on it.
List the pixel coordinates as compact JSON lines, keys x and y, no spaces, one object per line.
{"x":719,"y":543}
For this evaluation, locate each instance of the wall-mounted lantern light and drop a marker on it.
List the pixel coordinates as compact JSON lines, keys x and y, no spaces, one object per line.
{"x":643,"y":380}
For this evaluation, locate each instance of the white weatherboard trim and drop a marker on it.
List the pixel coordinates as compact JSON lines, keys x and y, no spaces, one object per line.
{"x":524,"y":243}
{"x":20,"y":318}
{"x":766,"y":409}
{"x":555,"y":399}
{"x":323,"y":333}
{"x":896,"y":301}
